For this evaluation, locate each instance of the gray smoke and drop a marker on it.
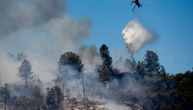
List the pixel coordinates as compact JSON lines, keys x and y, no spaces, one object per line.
{"x":42,"y":30}
{"x":20,"y":14}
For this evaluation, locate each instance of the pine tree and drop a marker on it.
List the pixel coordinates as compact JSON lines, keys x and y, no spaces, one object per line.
{"x":105,"y":55}
{"x":25,"y":72}
{"x":105,"y":70}
{"x":152,"y":63}
{"x":54,"y":98}
{"x":37,"y":97}
{"x":5,"y":94}
{"x":72,"y":60}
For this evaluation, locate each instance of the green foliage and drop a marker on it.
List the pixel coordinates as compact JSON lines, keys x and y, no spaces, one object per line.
{"x":105,"y":73}
{"x":5,"y":93}
{"x":104,"y":53}
{"x":54,"y":98}
{"x":162,"y":72}
{"x":33,"y":102}
{"x":182,"y":106}
{"x":37,"y":98}
{"x":105,"y":70}
{"x":25,"y":72}
{"x":140,"y":68}
{"x":150,"y":67}
{"x":184,"y":84}
{"x":24,"y":103}
{"x":72,"y":60}
{"x":152,"y":62}
{"x":161,"y":90}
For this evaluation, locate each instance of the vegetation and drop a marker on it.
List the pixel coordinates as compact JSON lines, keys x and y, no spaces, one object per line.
{"x":54,"y":98}
{"x":72,"y":60}
{"x":105,"y":70}
{"x":25,"y":73}
{"x":165,"y":91}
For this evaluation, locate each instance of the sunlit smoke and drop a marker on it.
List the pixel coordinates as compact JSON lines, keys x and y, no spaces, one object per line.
{"x":135,"y":35}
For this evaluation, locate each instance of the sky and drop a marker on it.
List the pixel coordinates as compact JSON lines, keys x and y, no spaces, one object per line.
{"x":169,"y":20}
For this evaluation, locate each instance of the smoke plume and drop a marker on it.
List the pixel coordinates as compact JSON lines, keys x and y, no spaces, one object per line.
{"x":135,"y":35}
{"x":20,"y":14}
{"x":42,"y":30}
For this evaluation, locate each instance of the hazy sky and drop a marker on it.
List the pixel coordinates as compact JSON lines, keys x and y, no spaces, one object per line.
{"x":170,"y":21}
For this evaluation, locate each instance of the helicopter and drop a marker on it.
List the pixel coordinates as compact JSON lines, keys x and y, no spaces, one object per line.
{"x":137,"y":3}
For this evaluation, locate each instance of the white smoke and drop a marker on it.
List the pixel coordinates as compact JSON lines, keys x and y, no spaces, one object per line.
{"x":114,"y":106}
{"x":136,"y":35}
{"x":8,"y":69}
{"x":42,"y":30}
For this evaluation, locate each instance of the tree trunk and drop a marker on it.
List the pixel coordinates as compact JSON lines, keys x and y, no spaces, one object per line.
{"x":26,"y":84}
{"x":84,"y":92}
{"x":5,"y":100}
{"x":5,"y":103}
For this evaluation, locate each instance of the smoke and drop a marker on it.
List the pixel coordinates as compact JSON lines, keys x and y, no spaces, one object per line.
{"x":20,"y":14}
{"x":114,"y":106}
{"x":89,"y":58}
{"x":42,"y":30}
{"x":135,"y":36}
{"x":111,"y":105}
{"x":8,"y":67}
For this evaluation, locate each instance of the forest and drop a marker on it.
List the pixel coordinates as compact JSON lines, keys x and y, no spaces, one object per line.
{"x":144,"y":83}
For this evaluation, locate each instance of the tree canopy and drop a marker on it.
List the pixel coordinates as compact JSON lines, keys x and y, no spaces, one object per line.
{"x":71,"y":59}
